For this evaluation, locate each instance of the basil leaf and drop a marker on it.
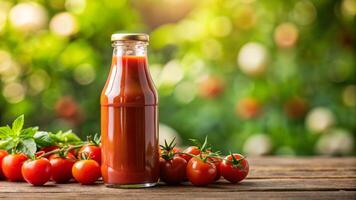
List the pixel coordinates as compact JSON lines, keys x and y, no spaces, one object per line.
{"x":27,"y":146}
{"x":5,"y":131}
{"x":8,"y":143}
{"x":68,"y":137}
{"x":28,"y":132}
{"x":18,"y":124}
{"x":44,"y":139}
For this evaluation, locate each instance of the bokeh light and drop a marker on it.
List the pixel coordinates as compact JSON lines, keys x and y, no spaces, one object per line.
{"x":320,"y":119}
{"x":64,"y":24}
{"x":252,"y":59}
{"x":286,"y":35}
{"x":14,"y":92}
{"x":28,"y":16}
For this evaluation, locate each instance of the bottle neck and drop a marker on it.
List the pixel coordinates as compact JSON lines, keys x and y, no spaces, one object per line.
{"x":129,"y":48}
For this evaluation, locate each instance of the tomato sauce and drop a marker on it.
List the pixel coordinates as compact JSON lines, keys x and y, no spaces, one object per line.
{"x":129,"y":124}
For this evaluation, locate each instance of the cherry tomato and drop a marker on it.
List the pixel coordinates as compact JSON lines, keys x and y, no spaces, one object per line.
{"x":191,"y":150}
{"x":44,"y":150}
{"x":200,"y":172}
{"x":234,"y":169}
{"x":40,"y":153}
{"x":73,"y":151}
{"x":3,"y":153}
{"x":36,"y":172}
{"x":49,"y":148}
{"x":11,"y":166}
{"x":217,"y":163}
{"x":62,"y":167}
{"x":94,"y":152}
{"x":173,"y":171}
{"x":86,"y":172}
{"x":175,"y":150}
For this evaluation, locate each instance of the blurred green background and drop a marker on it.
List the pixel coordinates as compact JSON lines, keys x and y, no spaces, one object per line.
{"x":260,"y":77}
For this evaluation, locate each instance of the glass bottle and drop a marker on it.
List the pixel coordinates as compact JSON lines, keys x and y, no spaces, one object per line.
{"x":129,"y":117}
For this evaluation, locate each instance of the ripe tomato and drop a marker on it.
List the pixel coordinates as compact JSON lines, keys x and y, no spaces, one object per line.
{"x":200,"y":172}
{"x":86,"y":172}
{"x":175,"y":150}
{"x":173,"y":171}
{"x":3,"y":153}
{"x":94,"y":152}
{"x":49,"y":148}
{"x":217,"y":162}
{"x":37,"y":172}
{"x":191,"y":150}
{"x":44,"y":150}
{"x":234,"y":168}
{"x":62,"y":167}
{"x":11,"y":166}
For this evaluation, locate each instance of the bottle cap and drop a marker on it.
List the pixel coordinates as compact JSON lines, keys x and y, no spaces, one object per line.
{"x":129,"y":36}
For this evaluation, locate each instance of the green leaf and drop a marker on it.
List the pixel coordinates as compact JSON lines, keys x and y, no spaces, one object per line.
{"x":8,"y":143}
{"x":5,"y":132}
{"x":44,"y":139}
{"x":18,"y":124}
{"x":27,"y":146}
{"x":28,"y":132}
{"x":68,"y":137}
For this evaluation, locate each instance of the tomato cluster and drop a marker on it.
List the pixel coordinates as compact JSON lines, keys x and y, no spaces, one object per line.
{"x":197,"y":164}
{"x":53,"y":163}
{"x":200,"y":165}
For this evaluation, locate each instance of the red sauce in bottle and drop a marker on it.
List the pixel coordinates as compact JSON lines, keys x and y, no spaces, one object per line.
{"x":129,"y":124}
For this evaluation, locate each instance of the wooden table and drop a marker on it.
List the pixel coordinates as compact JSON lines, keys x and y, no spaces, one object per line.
{"x":269,"y":178}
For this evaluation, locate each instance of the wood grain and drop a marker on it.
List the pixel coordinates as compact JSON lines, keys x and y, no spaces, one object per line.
{"x":270,"y":178}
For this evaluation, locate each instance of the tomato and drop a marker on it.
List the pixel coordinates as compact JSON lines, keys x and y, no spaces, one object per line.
{"x":234,"y":169}
{"x":3,"y":153}
{"x":11,"y":166}
{"x":73,"y":151}
{"x":94,"y":152}
{"x":173,"y":171}
{"x":69,"y":156}
{"x":217,"y":162}
{"x":175,"y":150}
{"x":86,"y":172}
{"x":49,"y":148}
{"x":191,"y":150}
{"x":62,"y":167}
{"x":36,"y":172}
{"x":40,"y":153}
{"x":44,"y":150}
{"x":200,"y":172}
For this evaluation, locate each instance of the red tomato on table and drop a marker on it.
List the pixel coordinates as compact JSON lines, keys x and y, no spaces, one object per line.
{"x":62,"y":167}
{"x":173,"y":171}
{"x":234,"y":168}
{"x":36,"y":172}
{"x":201,"y":173}
{"x":11,"y":166}
{"x":190,"y":150}
{"x":92,"y":151}
{"x":3,"y":153}
{"x":86,"y":172}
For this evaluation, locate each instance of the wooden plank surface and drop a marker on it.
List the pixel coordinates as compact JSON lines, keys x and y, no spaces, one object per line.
{"x":269,"y":178}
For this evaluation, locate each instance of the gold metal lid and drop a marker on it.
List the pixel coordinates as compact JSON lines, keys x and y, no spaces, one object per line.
{"x":130,"y":36}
